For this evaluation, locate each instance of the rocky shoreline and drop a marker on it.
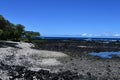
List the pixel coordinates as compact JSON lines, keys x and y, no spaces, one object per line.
{"x":23,"y":73}
{"x":19,"y":61}
{"x":82,"y":63}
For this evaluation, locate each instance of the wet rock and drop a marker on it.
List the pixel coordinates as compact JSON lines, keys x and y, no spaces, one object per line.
{"x":89,"y":74}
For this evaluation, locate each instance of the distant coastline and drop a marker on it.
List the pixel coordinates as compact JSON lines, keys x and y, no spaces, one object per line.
{"x":77,"y":38}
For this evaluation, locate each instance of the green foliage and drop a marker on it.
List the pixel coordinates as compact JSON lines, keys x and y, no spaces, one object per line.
{"x":11,"y":31}
{"x":30,"y":34}
{"x":1,"y":32}
{"x":18,"y":31}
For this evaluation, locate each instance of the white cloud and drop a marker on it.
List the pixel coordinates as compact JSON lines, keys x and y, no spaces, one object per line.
{"x":101,"y":35}
{"x":86,"y":35}
{"x":117,"y":35}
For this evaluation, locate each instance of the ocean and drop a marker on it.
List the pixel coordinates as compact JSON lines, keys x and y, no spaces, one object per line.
{"x":76,"y":38}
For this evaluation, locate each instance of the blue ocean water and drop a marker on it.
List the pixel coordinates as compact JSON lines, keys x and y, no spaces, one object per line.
{"x":75,"y":38}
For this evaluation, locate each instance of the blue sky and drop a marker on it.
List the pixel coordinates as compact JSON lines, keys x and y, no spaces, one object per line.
{"x":65,"y":17}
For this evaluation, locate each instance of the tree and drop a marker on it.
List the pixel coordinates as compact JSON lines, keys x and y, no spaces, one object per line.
{"x":11,"y":31}
{"x":30,"y":34}
{"x":19,"y":31}
{"x":1,"y":32}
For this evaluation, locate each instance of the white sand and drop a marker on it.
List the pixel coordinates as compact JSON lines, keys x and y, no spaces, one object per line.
{"x":29,"y":57}
{"x":50,"y":61}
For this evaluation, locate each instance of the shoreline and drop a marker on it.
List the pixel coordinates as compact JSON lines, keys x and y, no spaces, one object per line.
{"x":25,"y":54}
{"x":79,"y":60}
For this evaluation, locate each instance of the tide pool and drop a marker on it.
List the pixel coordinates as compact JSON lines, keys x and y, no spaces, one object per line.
{"x":105,"y":54}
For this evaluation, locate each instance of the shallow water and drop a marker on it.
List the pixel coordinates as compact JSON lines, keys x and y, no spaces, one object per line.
{"x":105,"y":54}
